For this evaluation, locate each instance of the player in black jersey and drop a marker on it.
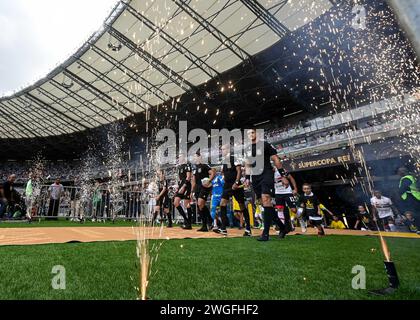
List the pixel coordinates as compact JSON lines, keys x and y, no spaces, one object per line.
{"x":232,"y":172}
{"x":201,"y":185}
{"x":184,"y":190}
{"x":260,"y":173}
{"x":162,"y":199}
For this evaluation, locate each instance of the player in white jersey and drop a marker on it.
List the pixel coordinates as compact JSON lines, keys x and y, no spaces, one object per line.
{"x":384,"y":209}
{"x":285,"y":197}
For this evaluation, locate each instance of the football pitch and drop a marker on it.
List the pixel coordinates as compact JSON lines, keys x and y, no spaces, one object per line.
{"x":298,"y":267}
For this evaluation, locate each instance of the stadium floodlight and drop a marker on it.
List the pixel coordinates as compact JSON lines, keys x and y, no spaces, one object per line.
{"x":115,"y":47}
{"x":67,"y":84}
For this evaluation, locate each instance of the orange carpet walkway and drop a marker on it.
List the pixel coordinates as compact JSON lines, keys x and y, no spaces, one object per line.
{"x":28,"y":236}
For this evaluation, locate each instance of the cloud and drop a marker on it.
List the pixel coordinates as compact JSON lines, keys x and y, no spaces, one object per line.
{"x":38,"y":35}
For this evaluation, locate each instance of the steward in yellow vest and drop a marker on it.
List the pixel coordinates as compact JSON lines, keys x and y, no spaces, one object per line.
{"x":409,"y":194}
{"x":408,"y":185}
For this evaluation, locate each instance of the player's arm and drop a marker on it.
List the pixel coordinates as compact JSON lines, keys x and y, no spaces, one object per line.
{"x":193,"y":183}
{"x":394,"y":209}
{"x":293,"y":182}
{"x":247,"y":172}
{"x":162,"y":192}
{"x":238,"y":177}
{"x":356,"y":224}
{"x":238,"y":174}
{"x":279,"y":167}
{"x":247,"y":165}
{"x":374,"y":212}
{"x":212,"y":174}
{"x":277,"y":163}
{"x":187,"y":180}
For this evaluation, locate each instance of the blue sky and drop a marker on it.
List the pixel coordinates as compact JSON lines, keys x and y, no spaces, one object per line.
{"x":37,"y":35}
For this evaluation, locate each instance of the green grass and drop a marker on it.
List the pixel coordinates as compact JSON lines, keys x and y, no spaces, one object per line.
{"x":236,"y":268}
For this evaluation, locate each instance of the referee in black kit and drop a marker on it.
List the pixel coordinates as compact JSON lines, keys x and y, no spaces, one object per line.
{"x":260,"y":173}
{"x":201,"y":185}
{"x":232,"y":172}
{"x":162,"y":199}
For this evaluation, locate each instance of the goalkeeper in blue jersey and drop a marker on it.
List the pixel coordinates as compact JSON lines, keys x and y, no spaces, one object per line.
{"x":216,"y":196}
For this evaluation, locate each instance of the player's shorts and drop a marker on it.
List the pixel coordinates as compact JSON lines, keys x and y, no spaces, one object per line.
{"x":187,"y":193}
{"x":215,"y":202}
{"x":384,"y":222}
{"x":202,"y":193}
{"x":263,"y":183}
{"x":249,"y":195}
{"x":228,"y":192}
{"x":315,"y":223}
{"x":283,"y":200}
{"x":164,"y":202}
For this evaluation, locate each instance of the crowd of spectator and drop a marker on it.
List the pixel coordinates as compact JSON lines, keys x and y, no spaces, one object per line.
{"x":65,"y":170}
{"x":371,"y":118}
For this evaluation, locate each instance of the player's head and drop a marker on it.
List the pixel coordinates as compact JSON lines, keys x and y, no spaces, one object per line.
{"x":12,"y":178}
{"x":307,"y":188}
{"x":57,"y":181}
{"x":377,"y":194}
{"x":252,"y":134}
{"x":225,"y":149}
{"x":182,"y":158}
{"x":335,"y":218}
{"x":197,"y":158}
{"x":161,"y":174}
{"x":361,"y":208}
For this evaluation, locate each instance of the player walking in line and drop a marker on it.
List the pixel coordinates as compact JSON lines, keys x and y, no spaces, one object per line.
{"x":383,"y":210}
{"x":162,"y":199}
{"x":232,"y":172}
{"x":262,"y":179}
{"x":201,"y":184}
{"x":285,"y":197}
{"x":184,"y":190}
{"x":216,"y":197}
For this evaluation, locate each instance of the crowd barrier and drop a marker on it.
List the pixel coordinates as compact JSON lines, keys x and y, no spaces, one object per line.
{"x":90,"y":203}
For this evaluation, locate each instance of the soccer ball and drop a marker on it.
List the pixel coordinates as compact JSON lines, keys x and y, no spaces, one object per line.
{"x":205,"y":181}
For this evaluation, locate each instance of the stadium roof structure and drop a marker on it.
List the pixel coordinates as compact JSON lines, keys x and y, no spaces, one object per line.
{"x":148,"y":53}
